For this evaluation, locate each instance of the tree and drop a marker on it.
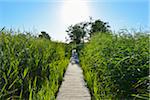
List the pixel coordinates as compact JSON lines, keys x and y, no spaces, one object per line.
{"x":77,"y":32}
{"x":44,"y":35}
{"x":99,"y":26}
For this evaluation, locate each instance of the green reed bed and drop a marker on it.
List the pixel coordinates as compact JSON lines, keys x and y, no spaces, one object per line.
{"x":30,"y":67}
{"x":117,"y":66}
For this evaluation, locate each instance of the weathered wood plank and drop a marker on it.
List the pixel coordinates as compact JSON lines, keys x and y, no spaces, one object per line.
{"x":73,"y":87}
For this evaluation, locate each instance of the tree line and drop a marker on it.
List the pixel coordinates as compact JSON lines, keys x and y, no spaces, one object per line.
{"x":82,"y":31}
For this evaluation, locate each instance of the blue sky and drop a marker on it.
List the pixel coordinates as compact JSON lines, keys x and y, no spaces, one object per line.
{"x":54,"y":16}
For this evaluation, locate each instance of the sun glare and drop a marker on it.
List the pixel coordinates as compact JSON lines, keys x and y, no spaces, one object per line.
{"x":74,"y":11}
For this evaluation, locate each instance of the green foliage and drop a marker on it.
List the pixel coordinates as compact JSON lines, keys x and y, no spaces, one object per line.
{"x":79,"y":32}
{"x":30,"y":67}
{"x":44,"y":35}
{"x":117,"y":66}
{"x":99,"y":26}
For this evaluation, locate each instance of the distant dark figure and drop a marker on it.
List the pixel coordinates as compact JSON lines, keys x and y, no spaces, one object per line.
{"x":74,"y":59}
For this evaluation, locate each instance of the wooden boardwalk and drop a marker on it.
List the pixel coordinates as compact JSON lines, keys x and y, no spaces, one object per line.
{"x":73,"y":85}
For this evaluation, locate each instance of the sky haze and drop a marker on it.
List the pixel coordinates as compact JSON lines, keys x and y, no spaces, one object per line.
{"x":54,"y":16}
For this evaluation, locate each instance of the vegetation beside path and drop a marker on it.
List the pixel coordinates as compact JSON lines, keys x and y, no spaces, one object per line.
{"x":30,"y":67}
{"x":117,"y":66}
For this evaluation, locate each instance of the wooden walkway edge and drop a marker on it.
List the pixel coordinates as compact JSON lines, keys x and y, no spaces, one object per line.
{"x":73,"y":85}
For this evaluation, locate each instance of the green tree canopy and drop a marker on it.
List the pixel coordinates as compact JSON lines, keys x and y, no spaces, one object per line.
{"x":99,"y":26}
{"x":44,"y":35}
{"x":78,"y":32}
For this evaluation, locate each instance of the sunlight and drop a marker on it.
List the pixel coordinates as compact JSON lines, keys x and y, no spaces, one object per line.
{"x":74,"y":11}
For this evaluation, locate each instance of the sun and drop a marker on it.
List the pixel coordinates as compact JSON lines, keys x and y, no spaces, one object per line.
{"x":74,"y":11}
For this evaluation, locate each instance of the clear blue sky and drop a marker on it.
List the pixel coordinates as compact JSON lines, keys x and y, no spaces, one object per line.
{"x":54,"y":16}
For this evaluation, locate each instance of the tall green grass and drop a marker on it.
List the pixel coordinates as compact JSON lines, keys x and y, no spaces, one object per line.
{"x":30,"y":67}
{"x":117,"y":66}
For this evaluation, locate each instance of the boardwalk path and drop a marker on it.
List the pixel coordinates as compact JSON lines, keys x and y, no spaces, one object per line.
{"x":73,"y":87}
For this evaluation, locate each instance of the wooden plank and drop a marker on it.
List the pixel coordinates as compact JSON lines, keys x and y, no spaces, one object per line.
{"x":73,"y":87}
